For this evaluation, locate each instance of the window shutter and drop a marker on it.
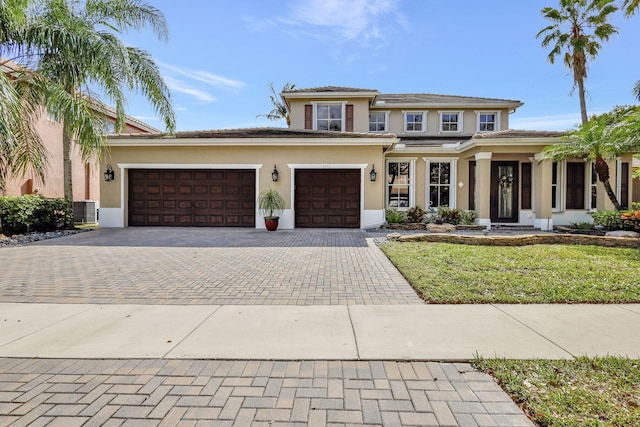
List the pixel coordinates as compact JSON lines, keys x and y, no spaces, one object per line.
{"x":526,"y":185}
{"x":624,"y":185}
{"x":575,"y":185}
{"x":349,"y":118}
{"x":308,"y":116}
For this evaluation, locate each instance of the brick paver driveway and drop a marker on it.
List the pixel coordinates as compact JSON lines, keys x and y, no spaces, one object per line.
{"x":203,"y":266}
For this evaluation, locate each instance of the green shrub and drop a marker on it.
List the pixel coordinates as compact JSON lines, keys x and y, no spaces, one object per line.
{"x":34,"y":213}
{"x":468,"y":217}
{"x":635,"y":206}
{"x":610,"y":220}
{"x":583,"y":225}
{"x":445,"y":215}
{"x":394,"y":216}
{"x":415,"y":214}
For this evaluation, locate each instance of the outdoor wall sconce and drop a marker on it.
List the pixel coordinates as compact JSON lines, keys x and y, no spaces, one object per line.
{"x":275,"y":174}
{"x":109,"y":175}
{"x":373,"y":174}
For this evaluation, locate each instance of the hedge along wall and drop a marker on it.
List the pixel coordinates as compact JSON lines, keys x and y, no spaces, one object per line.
{"x":34,"y":213}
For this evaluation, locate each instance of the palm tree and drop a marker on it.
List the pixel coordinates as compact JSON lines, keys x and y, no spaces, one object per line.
{"x":21,"y":148}
{"x":630,"y":7}
{"x":279,"y":110}
{"x":603,"y":137}
{"x":75,"y":46}
{"x":577,"y":29}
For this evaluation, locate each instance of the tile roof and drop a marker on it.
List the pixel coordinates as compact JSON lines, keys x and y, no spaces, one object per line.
{"x":266,"y":132}
{"x":429,"y":98}
{"x":516,"y":133}
{"x":329,"y":89}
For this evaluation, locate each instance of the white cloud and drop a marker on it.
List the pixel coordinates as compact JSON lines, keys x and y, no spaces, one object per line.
{"x":182,"y":87}
{"x":349,"y":19}
{"x":206,"y":77}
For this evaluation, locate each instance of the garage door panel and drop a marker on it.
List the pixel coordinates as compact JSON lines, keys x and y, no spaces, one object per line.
{"x":192,"y":197}
{"x":327,"y":198}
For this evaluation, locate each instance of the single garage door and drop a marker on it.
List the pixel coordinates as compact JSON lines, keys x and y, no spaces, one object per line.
{"x":192,"y":197}
{"x":327,"y":198}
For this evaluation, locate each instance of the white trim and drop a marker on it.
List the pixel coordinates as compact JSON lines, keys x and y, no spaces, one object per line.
{"x":459,"y":123}
{"x":484,"y":155}
{"x":361,"y":166}
{"x":412,"y":180}
{"x":590,"y":176}
{"x":453,"y":179}
{"x":386,"y":121}
{"x":561,"y":186}
{"x":497,"y":123}
{"x":343,"y":118}
{"x":423,"y":123}
{"x":618,"y":178}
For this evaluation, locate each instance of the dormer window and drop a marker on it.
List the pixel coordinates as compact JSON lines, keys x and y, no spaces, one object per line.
{"x":415,"y":121}
{"x":378,"y":121}
{"x":450,"y":121}
{"x":488,"y":121}
{"x":330,"y":117}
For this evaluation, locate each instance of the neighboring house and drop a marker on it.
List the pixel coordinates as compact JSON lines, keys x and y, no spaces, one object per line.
{"x":427,"y":150}
{"x":86,"y":174}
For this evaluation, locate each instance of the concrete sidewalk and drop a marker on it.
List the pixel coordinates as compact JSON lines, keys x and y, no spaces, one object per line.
{"x":353,"y":332}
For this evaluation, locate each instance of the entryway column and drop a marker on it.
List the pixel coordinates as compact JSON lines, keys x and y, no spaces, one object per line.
{"x":483,"y":188}
{"x":543,"y":173}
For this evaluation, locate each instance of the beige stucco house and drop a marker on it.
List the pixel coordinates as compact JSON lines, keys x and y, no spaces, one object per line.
{"x":427,"y":150}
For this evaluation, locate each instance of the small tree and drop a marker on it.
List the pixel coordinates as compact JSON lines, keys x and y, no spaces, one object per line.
{"x":279,"y":111}
{"x":603,"y":137}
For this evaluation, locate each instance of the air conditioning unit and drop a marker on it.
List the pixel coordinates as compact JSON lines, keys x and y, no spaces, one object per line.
{"x":85,"y":211}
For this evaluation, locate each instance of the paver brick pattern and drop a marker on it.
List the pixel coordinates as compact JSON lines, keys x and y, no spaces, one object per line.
{"x":161,"y":392}
{"x":203,"y":266}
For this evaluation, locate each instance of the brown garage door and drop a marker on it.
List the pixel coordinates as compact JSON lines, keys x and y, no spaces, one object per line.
{"x":192,"y":197}
{"x":327,"y":198}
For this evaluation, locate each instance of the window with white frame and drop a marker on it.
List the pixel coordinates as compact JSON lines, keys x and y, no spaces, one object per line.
{"x":329,"y":117}
{"x":400,"y":184}
{"x":450,"y":121}
{"x":557,"y":186}
{"x":441,"y":183}
{"x":378,"y":121}
{"x":488,"y":121}
{"x":415,"y":121}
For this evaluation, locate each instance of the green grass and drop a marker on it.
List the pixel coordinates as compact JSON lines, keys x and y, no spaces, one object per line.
{"x":582,"y":392}
{"x":449,"y":273}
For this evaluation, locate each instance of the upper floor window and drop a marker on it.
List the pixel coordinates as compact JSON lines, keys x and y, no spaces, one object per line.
{"x":329,"y":117}
{"x":110,"y":128}
{"x":450,"y":121}
{"x":488,"y":121}
{"x":378,"y":122}
{"x":415,"y":121}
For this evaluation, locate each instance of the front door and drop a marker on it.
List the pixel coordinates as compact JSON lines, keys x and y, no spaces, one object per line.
{"x":504,"y":192}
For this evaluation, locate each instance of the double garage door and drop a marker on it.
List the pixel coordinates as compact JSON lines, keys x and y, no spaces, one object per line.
{"x":192,"y":197}
{"x":324,"y":198}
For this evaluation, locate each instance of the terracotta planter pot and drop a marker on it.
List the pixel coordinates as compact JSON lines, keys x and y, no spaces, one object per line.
{"x":271,"y":223}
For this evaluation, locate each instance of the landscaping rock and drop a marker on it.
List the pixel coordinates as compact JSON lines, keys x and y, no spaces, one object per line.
{"x":20,"y":239}
{"x":623,"y":233}
{"x":441,"y":228}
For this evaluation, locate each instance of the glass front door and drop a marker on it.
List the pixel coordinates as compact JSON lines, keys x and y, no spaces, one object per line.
{"x":504,"y":192}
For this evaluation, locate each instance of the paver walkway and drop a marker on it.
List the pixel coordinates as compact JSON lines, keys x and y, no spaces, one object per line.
{"x":203,"y":266}
{"x":249,"y":393}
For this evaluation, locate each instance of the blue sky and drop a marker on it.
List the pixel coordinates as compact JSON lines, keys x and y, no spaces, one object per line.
{"x":222,"y":55}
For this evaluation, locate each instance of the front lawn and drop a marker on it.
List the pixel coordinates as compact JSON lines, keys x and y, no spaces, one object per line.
{"x":581,"y":392}
{"x":454,"y":274}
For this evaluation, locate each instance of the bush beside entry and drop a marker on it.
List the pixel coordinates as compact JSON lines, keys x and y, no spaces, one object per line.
{"x":271,"y":204}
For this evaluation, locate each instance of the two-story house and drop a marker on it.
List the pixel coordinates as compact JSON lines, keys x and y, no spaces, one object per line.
{"x":350,"y":154}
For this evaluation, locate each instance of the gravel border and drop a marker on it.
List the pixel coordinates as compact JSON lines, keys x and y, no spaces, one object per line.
{"x":22,"y":239}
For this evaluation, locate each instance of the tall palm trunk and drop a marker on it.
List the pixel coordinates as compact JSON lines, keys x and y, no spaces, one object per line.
{"x":602,"y":170}
{"x":583,"y":102}
{"x":67,"y":147}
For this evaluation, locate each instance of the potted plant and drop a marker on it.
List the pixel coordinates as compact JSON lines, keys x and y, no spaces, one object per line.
{"x":271,"y":204}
